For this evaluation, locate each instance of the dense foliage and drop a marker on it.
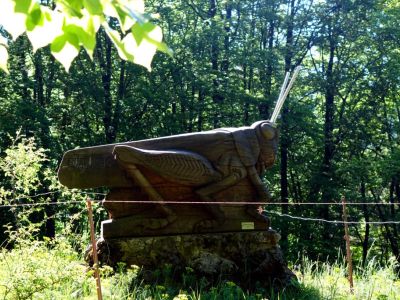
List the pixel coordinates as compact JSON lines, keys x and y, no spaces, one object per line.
{"x":339,"y":128}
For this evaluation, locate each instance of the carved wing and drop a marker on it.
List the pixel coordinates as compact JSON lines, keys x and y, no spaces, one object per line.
{"x":176,"y":165}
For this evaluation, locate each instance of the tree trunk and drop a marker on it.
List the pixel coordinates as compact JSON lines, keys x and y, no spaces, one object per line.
{"x":191,"y":107}
{"x":216,"y":93}
{"x":268,"y":39}
{"x":120,"y":98}
{"x":50,"y":78}
{"x":200,"y":110}
{"x":284,"y":127}
{"x":104,"y":55}
{"x":365,"y":242}
{"x":326,"y":169}
{"x":21,"y":44}
{"x":38,"y":87}
{"x":392,"y":239}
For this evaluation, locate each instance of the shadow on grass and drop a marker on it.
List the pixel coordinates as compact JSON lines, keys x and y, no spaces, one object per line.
{"x":297,"y":291}
{"x":163,"y":284}
{"x":228,"y":290}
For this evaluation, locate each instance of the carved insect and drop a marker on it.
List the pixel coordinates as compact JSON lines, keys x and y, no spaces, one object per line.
{"x":209,"y":161}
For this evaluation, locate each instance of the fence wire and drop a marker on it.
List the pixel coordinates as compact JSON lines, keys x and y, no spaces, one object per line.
{"x":338,"y":222}
{"x":332,"y":221}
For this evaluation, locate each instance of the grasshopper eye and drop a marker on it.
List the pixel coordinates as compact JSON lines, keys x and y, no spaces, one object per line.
{"x":267,"y":131}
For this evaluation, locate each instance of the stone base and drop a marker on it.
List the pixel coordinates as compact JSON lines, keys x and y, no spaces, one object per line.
{"x":244,"y":257}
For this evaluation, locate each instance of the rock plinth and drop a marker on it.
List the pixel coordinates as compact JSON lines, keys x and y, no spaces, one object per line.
{"x":244,"y":257}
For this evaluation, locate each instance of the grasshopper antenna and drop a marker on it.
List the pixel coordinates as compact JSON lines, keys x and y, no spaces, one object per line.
{"x":283,"y":93}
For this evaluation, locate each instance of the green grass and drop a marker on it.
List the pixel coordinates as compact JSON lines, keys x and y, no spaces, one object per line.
{"x":54,"y":270}
{"x":371,"y":282}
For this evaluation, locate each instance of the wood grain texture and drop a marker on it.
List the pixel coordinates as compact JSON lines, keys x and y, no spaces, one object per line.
{"x":222,"y":165}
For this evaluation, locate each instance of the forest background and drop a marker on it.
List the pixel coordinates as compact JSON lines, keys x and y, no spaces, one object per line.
{"x":338,"y":130}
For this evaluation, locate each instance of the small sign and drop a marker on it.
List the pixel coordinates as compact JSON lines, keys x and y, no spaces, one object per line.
{"x":247,"y":225}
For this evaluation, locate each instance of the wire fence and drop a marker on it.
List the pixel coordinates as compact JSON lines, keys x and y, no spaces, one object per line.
{"x":333,"y":221}
{"x":89,"y":200}
{"x":232,"y":203}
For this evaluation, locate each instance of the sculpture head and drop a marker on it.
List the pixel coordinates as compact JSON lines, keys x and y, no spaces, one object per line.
{"x":267,"y":135}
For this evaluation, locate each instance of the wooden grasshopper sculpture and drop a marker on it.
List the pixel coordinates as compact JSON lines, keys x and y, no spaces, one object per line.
{"x":218,"y":165}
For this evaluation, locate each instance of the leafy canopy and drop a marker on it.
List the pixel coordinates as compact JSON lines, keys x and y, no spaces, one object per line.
{"x":74,"y":23}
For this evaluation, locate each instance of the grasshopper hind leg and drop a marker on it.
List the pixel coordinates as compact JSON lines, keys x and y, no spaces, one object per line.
{"x":217,"y":215}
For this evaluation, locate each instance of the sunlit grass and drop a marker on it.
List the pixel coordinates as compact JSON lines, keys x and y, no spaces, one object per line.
{"x":371,"y":282}
{"x":53,"y":270}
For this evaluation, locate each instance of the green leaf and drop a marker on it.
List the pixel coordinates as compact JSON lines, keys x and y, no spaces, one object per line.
{"x":13,"y":22}
{"x":75,"y":4}
{"x":140,"y":31}
{"x":3,"y":58}
{"x":163,"y":47}
{"x":134,"y":10}
{"x":75,"y":23}
{"x":35,"y":17}
{"x":94,"y":7}
{"x":88,"y":40}
{"x":143,"y":31}
{"x":84,"y":29}
{"x":65,"y":48}
{"x":23,"y":6}
{"x":140,"y":45}
{"x":129,"y":13}
{"x":71,"y":7}
{"x":42,"y":35}
{"x":144,"y":51}
{"x":116,"y":39}
{"x":73,"y":39}
{"x":58,"y":44}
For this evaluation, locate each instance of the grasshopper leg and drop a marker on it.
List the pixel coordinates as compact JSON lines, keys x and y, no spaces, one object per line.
{"x":218,"y":216}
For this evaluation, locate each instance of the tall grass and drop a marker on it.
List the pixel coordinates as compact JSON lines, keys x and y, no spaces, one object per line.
{"x":373,"y":281}
{"x":54,"y":270}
